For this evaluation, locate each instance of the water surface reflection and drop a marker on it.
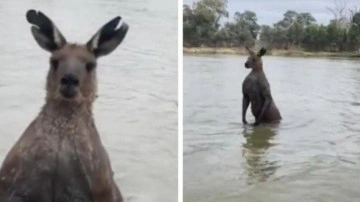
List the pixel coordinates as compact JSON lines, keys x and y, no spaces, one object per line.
{"x":258,"y":142}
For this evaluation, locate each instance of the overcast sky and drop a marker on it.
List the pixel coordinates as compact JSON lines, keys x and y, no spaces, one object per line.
{"x":271,"y":11}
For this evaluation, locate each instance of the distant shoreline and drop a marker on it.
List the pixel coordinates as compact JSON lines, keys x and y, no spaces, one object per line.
{"x":291,"y":53}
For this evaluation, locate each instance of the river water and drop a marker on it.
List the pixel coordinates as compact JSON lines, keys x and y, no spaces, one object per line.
{"x":136,"y":112}
{"x":313,"y":155}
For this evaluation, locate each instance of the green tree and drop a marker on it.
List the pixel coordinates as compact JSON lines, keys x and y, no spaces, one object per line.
{"x":315,"y":38}
{"x":216,"y":8}
{"x":305,"y":19}
{"x":202,"y":26}
{"x":248,"y":20}
{"x":243,"y":30}
{"x":201,"y":22}
{"x":354,"y":32}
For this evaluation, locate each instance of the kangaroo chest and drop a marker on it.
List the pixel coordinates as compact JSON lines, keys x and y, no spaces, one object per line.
{"x":253,"y":87}
{"x":62,"y":161}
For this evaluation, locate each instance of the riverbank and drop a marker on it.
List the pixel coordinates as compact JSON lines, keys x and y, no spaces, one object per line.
{"x":292,"y":53}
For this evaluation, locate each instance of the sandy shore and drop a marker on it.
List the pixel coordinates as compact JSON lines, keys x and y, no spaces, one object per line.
{"x":294,"y":53}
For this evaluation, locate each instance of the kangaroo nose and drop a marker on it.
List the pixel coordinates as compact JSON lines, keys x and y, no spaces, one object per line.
{"x":246,"y":64}
{"x":69,"y":80}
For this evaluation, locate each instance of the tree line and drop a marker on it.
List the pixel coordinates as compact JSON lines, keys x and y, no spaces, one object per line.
{"x":202,"y":26}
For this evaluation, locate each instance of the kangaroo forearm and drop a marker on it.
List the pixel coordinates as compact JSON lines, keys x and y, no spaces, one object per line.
{"x":244,"y":112}
{"x":246,"y":103}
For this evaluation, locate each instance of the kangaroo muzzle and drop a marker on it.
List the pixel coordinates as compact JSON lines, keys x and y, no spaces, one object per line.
{"x":69,"y":84}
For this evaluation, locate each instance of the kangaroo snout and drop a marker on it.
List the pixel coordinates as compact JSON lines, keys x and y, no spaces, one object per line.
{"x":69,"y":80}
{"x":69,"y":84}
{"x":246,"y":64}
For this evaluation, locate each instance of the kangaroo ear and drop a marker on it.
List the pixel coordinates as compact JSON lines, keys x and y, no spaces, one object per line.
{"x":45,"y":32}
{"x":249,"y":50}
{"x":108,"y":37}
{"x":261,"y":52}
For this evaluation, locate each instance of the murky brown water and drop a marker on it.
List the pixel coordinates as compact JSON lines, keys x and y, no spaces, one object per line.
{"x":313,"y":155}
{"x":136,"y":111}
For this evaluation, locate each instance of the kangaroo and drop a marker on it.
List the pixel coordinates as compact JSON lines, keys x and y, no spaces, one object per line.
{"x":60,"y":157}
{"x":256,"y":90}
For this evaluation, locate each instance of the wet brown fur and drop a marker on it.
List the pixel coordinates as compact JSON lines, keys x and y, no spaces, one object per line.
{"x":256,"y":91}
{"x":60,"y":156}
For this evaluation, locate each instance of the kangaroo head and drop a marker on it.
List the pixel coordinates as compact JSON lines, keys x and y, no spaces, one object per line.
{"x":72,"y":73}
{"x":254,"y":60}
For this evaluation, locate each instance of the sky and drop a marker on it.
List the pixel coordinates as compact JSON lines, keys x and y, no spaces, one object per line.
{"x":271,"y":11}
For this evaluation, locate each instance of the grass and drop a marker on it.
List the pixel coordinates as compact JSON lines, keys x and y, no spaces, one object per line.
{"x":291,"y":53}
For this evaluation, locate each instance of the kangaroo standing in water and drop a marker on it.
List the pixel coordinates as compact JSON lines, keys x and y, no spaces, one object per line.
{"x":256,"y":90}
{"x":60,"y":156}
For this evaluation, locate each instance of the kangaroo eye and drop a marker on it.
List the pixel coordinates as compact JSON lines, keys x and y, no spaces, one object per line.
{"x":54,"y":63}
{"x":254,"y":60}
{"x":90,"y":66}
